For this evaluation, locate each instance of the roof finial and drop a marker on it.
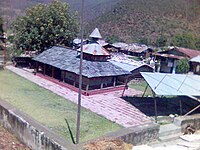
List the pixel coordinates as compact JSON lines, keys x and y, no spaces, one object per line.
{"x":96,"y":34}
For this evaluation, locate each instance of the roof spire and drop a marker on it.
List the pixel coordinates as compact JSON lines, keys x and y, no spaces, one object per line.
{"x":96,"y":34}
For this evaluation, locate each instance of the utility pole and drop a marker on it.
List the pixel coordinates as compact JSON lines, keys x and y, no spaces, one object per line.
{"x":80,"y":79}
{"x":4,"y":51}
{"x":3,"y":39}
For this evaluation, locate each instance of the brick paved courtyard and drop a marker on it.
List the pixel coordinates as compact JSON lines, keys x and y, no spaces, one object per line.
{"x":108,"y":105}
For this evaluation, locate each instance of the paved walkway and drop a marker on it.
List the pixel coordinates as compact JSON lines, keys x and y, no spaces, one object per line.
{"x":108,"y":105}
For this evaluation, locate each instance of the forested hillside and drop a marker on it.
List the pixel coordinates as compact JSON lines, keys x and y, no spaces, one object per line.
{"x":149,"y":20}
{"x":10,"y":9}
{"x":145,"y":21}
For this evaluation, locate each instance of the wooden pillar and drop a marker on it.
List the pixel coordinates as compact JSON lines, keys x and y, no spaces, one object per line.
{"x":101,"y":83}
{"x":125,"y":86}
{"x":155,"y":106}
{"x":74,"y":79}
{"x":145,"y":90}
{"x":181,"y":109}
{"x":114,"y":82}
{"x":36,"y":67}
{"x":53,"y":72}
{"x":87,"y":85}
{"x":64,"y":75}
{"x":44,"y":69}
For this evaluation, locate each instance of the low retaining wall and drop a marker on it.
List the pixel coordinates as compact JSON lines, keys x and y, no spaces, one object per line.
{"x":30,"y":132}
{"x":183,"y":122}
{"x":37,"y":137}
{"x":137,"y":135}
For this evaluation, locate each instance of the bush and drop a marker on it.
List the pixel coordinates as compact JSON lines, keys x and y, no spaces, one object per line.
{"x":183,"y":66}
{"x":161,"y":41}
{"x":184,"y":40}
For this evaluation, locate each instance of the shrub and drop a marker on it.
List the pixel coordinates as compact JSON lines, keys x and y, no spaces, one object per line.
{"x":183,"y":66}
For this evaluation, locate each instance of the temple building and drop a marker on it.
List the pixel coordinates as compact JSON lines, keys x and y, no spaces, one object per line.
{"x":98,"y":73}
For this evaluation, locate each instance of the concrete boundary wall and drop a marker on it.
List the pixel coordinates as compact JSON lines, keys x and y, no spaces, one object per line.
{"x":138,"y":135}
{"x":185,"y":121}
{"x":38,"y":137}
{"x":29,"y":131}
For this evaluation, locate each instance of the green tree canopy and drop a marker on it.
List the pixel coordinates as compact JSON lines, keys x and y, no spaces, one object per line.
{"x":44,"y":26}
{"x":184,"y":40}
{"x":183,"y":66}
{"x":161,"y":41}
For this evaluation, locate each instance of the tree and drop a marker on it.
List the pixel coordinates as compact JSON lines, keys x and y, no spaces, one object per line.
{"x":197,"y":44}
{"x":161,"y":41}
{"x":44,"y":26}
{"x":184,"y":40}
{"x":183,"y":66}
{"x":114,"y":39}
{"x":144,"y":41}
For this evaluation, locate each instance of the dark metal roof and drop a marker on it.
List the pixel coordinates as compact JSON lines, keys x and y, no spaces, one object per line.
{"x":68,"y":59}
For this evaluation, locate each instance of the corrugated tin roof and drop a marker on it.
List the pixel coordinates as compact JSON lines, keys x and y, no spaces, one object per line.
{"x":67,"y":59}
{"x":169,"y":56}
{"x":196,"y":59}
{"x":95,"y":49}
{"x":173,"y":84}
{"x":120,"y":45}
{"x":189,"y":52}
{"x":129,"y":67}
{"x":96,"y":34}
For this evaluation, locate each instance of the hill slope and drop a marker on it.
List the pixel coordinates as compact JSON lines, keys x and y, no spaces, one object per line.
{"x":10,"y":9}
{"x":132,"y":20}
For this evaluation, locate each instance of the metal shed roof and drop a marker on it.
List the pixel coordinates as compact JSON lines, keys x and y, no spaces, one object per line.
{"x":173,"y":84}
{"x":195,"y":59}
{"x":129,"y":67}
{"x":67,"y":59}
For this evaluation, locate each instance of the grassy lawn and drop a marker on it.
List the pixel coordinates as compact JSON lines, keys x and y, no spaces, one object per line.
{"x":141,"y":85}
{"x":51,"y":109}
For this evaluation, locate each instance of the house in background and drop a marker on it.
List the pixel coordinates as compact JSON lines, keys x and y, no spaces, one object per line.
{"x":98,"y":73}
{"x":166,"y":61}
{"x":195,"y":65}
{"x":133,"y":66}
{"x":134,"y":49}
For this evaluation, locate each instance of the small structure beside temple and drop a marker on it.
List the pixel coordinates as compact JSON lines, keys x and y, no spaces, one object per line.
{"x":167,"y":60}
{"x":134,"y":49}
{"x":98,"y":73}
{"x":195,"y":65}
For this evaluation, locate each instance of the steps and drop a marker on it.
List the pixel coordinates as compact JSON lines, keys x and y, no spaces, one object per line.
{"x":169,"y":132}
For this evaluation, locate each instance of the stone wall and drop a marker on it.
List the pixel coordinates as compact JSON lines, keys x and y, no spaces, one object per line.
{"x":30,"y":132}
{"x":185,"y":121}
{"x":138,"y":135}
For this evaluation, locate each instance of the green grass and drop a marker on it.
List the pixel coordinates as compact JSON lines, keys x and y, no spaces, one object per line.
{"x":141,"y":85}
{"x":51,"y":109}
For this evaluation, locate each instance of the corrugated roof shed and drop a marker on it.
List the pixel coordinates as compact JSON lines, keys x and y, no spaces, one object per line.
{"x":67,"y":59}
{"x":129,"y":67}
{"x":195,"y":59}
{"x":173,"y":84}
